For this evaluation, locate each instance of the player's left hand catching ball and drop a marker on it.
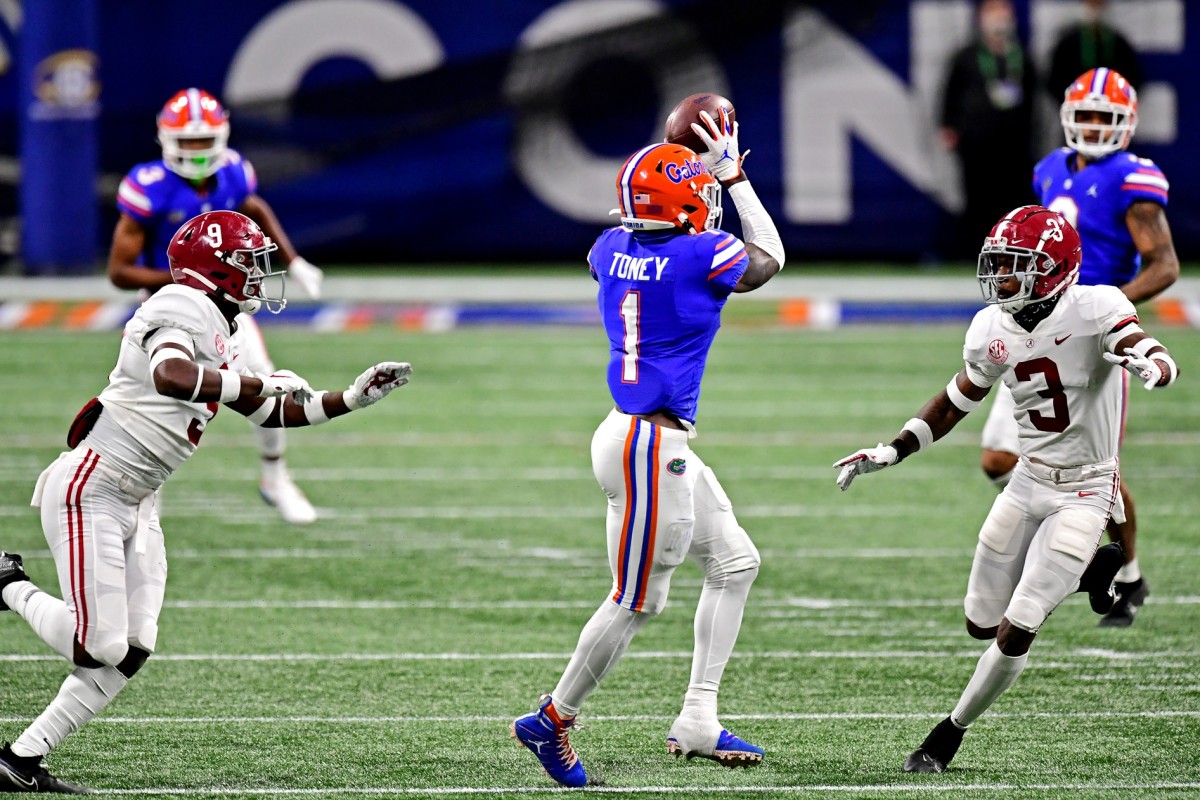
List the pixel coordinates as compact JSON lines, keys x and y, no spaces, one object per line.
{"x":722,"y":158}
{"x":872,"y":459}
{"x":376,"y":383}
{"x":306,"y":276}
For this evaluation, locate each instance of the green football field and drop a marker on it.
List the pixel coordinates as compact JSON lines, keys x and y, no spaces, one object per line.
{"x":384,"y":650}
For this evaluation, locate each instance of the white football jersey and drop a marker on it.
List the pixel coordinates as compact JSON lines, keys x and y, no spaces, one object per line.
{"x":166,"y":428}
{"x":1068,"y":398}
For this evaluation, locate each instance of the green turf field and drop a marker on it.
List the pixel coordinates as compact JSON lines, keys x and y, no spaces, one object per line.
{"x":384,"y":650}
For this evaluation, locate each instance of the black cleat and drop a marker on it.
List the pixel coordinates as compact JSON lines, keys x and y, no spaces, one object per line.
{"x":12,"y":569}
{"x":1130,"y":597}
{"x":1097,"y":579}
{"x":18,"y":774}
{"x":938,"y":748}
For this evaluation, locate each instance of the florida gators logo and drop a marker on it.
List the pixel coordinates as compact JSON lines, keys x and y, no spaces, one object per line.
{"x":677,"y":466}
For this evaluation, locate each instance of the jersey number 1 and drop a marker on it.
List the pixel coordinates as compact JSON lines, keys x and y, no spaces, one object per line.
{"x":631,"y":317}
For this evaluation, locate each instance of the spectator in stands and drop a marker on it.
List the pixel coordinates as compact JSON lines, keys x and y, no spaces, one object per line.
{"x":987,"y":120}
{"x":1089,"y":44}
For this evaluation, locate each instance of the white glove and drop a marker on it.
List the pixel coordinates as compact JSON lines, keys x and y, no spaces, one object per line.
{"x":376,"y":383}
{"x":721,"y":157}
{"x":306,"y":276}
{"x":285,"y":382}
{"x":1144,"y":367}
{"x":871,"y":459}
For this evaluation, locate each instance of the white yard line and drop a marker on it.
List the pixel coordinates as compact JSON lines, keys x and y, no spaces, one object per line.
{"x":1083,"y":654}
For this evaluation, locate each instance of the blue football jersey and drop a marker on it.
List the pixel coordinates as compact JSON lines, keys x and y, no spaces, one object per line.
{"x":161,"y":201}
{"x":661,"y":295}
{"x":1095,"y":200}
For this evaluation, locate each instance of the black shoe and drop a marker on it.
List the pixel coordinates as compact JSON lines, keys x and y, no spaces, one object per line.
{"x":12,"y":569}
{"x":1130,"y":597}
{"x":938,"y":748}
{"x":18,"y":774}
{"x":1097,"y":579}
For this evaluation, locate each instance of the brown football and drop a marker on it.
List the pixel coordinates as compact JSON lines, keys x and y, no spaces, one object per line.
{"x":679,"y":124}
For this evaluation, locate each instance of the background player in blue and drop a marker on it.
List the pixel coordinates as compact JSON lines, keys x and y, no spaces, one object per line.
{"x":664,"y":276}
{"x":1117,"y":202}
{"x":196,"y":174}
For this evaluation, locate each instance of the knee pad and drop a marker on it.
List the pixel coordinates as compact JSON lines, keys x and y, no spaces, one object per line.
{"x":1026,"y":613}
{"x":133,"y":661}
{"x":108,"y":653}
{"x":145,"y":637}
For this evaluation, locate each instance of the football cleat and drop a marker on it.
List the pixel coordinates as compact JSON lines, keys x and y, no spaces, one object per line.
{"x":1097,"y":579}
{"x":291,"y":503}
{"x":18,"y":774}
{"x":729,"y":751}
{"x":1130,"y":597}
{"x":12,"y":569}
{"x":937,"y":750}
{"x":546,"y":734}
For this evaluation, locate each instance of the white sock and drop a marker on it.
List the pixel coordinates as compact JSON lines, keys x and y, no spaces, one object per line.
{"x":1130,"y":573}
{"x":718,"y":620}
{"x":993,"y":675}
{"x":272,"y":443}
{"x":49,"y":617}
{"x":83,"y":695}
{"x":601,"y":644}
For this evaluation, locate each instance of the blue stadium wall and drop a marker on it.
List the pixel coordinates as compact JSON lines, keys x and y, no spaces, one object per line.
{"x":475,"y":130}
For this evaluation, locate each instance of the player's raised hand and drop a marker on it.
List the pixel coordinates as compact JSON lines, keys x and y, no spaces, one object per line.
{"x":722,"y":158}
{"x":871,"y":459}
{"x":376,"y":383}
{"x":1146,"y":368}
{"x":285,"y":382}
{"x":307,"y":277}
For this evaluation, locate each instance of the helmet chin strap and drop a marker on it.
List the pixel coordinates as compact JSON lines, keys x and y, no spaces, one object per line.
{"x":250,"y":305}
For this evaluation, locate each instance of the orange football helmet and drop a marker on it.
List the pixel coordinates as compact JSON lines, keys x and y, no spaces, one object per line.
{"x":666,"y":186}
{"x":1099,"y":90}
{"x":193,"y":129}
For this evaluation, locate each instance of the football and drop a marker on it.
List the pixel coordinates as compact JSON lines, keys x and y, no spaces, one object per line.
{"x":679,"y":124}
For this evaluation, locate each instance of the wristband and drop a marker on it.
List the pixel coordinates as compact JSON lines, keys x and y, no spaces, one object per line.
{"x":960,"y":400}
{"x":920,"y":429}
{"x":1170,"y":362}
{"x":231,"y":386}
{"x":263,"y":412}
{"x":199,"y":381}
{"x":314,"y":410}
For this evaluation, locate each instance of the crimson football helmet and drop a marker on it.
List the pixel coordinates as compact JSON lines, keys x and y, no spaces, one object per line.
{"x":665,"y":186}
{"x":193,"y":130}
{"x":1035,"y":246}
{"x":227,"y":255}
{"x":1099,"y":90}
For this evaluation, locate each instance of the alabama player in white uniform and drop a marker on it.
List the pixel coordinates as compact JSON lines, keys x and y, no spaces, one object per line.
{"x":97,"y":500}
{"x":1054,"y":344}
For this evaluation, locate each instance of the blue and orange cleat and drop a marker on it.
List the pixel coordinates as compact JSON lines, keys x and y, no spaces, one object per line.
{"x":545,"y":733}
{"x":729,"y":751}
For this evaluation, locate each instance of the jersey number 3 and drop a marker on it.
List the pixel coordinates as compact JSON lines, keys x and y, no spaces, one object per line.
{"x":1061,"y":418}
{"x":631,"y":314}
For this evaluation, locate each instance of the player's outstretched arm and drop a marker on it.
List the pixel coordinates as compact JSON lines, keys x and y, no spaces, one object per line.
{"x":303,"y":274}
{"x":724,"y":160}
{"x":945,"y":410}
{"x":1147,"y":223}
{"x":1146,"y":358}
{"x":176,"y":374}
{"x":129,"y":239}
{"x":293,"y":410}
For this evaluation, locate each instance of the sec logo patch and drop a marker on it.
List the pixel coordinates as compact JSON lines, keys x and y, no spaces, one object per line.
{"x":997,"y":353}
{"x":677,"y":466}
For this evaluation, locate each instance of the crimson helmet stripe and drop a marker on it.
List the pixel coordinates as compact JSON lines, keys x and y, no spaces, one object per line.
{"x":627,"y":177}
{"x":195,"y":111}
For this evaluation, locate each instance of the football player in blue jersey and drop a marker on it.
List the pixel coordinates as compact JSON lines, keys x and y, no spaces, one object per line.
{"x":1117,"y":202}
{"x":664,"y":275}
{"x":199,"y":173}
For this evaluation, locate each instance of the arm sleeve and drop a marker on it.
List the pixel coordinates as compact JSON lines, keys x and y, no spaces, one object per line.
{"x":135,"y":195}
{"x":727,"y":264}
{"x":1143,"y":181}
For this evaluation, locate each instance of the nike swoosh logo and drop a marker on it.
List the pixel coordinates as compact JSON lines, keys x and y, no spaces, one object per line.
{"x":28,"y":783}
{"x":1063,"y":339}
{"x":1088,"y":494}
